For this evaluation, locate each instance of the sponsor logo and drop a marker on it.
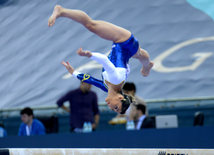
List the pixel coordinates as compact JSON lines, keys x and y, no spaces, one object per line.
{"x":165,"y":153}
{"x":85,"y":77}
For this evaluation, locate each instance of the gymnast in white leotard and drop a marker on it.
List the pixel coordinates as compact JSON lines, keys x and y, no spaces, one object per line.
{"x":115,"y":66}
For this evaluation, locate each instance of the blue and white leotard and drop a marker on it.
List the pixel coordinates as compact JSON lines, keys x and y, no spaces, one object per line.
{"x":115,"y":66}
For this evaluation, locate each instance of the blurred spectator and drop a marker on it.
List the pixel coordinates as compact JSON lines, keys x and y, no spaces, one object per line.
{"x":130,"y":88}
{"x":83,"y":106}
{"x":3,"y":132}
{"x":29,"y":125}
{"x":141,"y":120}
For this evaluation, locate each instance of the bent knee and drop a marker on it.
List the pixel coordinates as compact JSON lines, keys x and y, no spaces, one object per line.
{"x":91,"y":26}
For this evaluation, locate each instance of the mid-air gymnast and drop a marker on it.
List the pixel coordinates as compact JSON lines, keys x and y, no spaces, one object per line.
{"x":115,"y":66}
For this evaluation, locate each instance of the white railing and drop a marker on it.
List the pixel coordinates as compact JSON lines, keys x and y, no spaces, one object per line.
{"x":151,"y":104}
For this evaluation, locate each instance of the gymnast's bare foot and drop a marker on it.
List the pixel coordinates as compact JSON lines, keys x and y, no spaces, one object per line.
{"x":146,"y":69}
{"x":54,"y":16}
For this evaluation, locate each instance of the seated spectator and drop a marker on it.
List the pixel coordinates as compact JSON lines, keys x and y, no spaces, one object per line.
{"x":141,"y":120}
{"x":29,"y":125}
{"x":3,"y":132}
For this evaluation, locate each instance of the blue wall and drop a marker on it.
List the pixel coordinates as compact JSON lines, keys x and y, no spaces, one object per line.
{"x":193,"y":137}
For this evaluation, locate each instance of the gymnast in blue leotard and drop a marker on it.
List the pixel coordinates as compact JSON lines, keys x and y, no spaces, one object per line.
{"x":115,"y":66}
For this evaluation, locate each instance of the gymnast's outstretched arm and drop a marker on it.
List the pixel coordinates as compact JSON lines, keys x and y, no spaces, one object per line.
{"x":112,"y":76}
{"x":100,"y":58}
{"x":85,"y":77}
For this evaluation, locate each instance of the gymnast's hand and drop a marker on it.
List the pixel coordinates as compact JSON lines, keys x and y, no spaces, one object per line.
{"x":68,"y":66}
{"x":84,"y":53}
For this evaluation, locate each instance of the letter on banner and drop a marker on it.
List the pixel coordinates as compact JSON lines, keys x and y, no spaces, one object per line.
{"x":201,"y":57}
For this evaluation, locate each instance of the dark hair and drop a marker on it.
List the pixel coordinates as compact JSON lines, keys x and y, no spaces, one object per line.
{"x":141,"y":107}
{"x":125,"y":103}
{"x":127,"y":100}
{"x":129,"y":86}
{"x":27,"y":111}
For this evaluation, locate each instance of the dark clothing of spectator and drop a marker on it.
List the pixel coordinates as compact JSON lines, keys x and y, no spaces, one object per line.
{"x":83,"y":107}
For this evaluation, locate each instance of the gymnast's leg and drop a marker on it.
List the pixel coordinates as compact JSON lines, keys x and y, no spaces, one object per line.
{"x":103,"y":29}
{"x":144,"y":59}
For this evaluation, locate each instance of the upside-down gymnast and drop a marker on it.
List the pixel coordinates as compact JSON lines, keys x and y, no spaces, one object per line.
{"x":115,"y":66}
